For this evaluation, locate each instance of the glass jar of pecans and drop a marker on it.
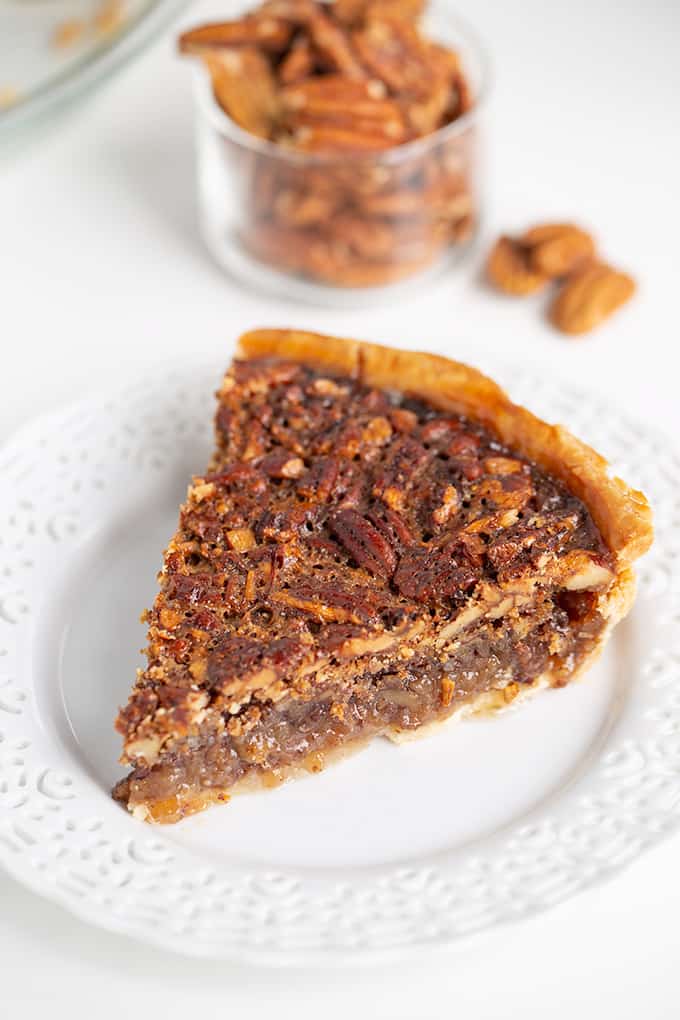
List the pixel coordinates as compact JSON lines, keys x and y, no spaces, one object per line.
{"x":337,"y":144}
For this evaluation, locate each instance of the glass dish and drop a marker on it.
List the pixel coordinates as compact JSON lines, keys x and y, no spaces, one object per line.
{"x":320,"y":227}
{"x":40,"y":77}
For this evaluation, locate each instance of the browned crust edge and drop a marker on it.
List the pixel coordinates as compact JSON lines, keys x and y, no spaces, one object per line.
{"x":622,"y":514}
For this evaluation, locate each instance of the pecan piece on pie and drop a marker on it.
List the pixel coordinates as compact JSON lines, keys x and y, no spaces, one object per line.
{"x":403,"y":545}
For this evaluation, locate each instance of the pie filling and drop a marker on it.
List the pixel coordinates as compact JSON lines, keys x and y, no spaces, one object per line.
{"x":354,"y":562}
{"x":394,"y":699}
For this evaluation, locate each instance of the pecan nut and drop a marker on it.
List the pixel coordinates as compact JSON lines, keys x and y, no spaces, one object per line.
{"x":365,"y":544}
{"x":509,"y":268}
{"x":268,"y":33}
{"x":556,"y":249}
{"x":336,"y":112}
{"x":589,"y":297}
{"x":394,"y":51}
{"x":243,"y":84}
{"x":299,"y":62}
{"x":356,"y":12}
{"x":328,"y":38}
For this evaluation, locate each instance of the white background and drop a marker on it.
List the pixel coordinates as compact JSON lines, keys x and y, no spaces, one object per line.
{"x":102,"y":274}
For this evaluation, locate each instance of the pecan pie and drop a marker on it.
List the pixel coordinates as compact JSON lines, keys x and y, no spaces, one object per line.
{"x":382,"y":540}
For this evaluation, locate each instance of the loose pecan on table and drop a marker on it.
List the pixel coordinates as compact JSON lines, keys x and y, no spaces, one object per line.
{"x":589,"y":297}
{"x":590,"y":290}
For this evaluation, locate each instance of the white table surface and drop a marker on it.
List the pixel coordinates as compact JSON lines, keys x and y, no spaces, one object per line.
{"x":102,"y":274}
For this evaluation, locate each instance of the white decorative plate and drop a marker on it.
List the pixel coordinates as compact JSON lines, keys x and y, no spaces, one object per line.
{"x":396,"y":849}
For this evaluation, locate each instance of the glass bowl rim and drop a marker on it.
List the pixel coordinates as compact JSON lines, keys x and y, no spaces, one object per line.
{"x":224,"y":125}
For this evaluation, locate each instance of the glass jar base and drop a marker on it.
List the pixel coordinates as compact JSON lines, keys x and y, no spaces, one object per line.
{"x":229,"y":252}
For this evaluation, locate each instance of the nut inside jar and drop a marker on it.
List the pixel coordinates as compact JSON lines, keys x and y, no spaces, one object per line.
{"x":361,"y":170}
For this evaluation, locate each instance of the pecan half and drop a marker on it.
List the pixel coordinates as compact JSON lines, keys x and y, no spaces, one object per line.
{"x":394,"y":51}
{"x":393,"y":527}
{"x":556,"y":249}
{"x":355,"y":12}
{"x":365,"y":544}
{"x":509,"y":268}
{"x":335,"y":94}
{"x":356,"y":110}
{"x":427,"y":114}
{"x":446,"y":61}
{"x":268,"y":33}
{"x":319,"y":482}
{"x":428,"y":575}
{"x":298,"y":63}
{"x":244,"y":87}
{"x":589,"y":297}
{"x":333,"y":46}
{"x":329,"y":39}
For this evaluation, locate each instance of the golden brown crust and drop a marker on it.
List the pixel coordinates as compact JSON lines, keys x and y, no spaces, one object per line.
{"x":622,"y":514}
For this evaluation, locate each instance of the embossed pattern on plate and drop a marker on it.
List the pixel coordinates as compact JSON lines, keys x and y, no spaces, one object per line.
{"x":67,"y":475}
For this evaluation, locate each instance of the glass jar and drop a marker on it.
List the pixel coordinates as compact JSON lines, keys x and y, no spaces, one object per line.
{"x":324,"y":227}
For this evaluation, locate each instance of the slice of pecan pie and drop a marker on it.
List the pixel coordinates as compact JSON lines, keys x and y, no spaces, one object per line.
{"x":381,"y":541}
